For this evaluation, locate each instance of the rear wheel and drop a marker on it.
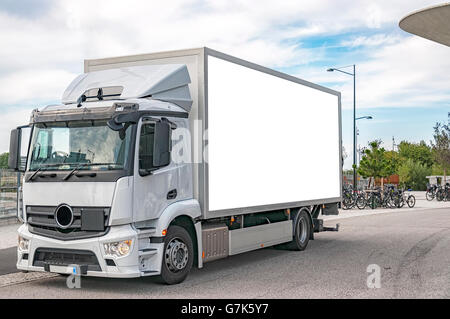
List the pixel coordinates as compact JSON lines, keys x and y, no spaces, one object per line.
{"x":302,"y":232}
{"x":178,"y":255}
{"x":447,"y":196}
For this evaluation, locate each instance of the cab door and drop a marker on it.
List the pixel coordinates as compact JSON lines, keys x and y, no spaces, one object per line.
{"x":155,"y":174}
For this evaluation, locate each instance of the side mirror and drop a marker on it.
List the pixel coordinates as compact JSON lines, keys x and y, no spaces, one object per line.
{"x":162,"y":144}
{"x":14,"y":149}
{"x":18,"y":145}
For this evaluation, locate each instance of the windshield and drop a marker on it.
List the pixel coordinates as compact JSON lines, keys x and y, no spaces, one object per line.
{"x":87,"y":144}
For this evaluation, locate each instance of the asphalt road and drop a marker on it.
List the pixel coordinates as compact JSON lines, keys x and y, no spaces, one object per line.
{"x":411,"y":247}
{"x":8,"y":258}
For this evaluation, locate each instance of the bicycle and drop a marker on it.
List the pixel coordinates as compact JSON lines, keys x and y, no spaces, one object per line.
{"x":443,"y":193}
{"x":361,"y":200}
{"x":351,"y":198}
{"x":374,"y":198}
{"x":348,"y":198}
{"x":409,"y":198}
{"x":431,"y":192}
{"x":402,"y":197}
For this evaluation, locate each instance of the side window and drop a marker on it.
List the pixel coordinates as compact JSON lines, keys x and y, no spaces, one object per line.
{"x":146,"y":142}
{"x":41,"y":148}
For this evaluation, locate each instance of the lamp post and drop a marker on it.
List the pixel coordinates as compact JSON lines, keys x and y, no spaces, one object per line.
{"x":357,"y":133}
{"x":354,"y":115}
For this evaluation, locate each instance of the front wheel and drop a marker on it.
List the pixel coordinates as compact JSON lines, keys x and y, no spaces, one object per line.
{"x":429,"y":195}
{"x":347,"y":202}
{"x":178,"y":255}
{"x":411,"y":201}
{"x":361,"y":201}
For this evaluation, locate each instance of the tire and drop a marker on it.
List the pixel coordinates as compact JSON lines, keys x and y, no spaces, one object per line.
{"x":391,"y":202}
{"x":178,"y":256}
{"x":347,"y":202}
{"x":411,"y":201}
{"x":429,"y":195}
{"x":439,"y":196}
{"x":374,"y":201}
{"x":446,"y":196}
{"x":361,"y":202}
{"x":302,"y":232}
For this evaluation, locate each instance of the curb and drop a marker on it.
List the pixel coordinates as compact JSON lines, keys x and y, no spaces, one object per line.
{"x":343,"y":214}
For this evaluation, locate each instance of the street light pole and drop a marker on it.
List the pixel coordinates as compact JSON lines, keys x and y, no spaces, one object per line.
{"x":357,"y":133}
{"x":354,"y":117}
{"x":354,"y":129}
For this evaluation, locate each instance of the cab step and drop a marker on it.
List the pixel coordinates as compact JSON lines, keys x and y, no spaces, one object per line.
{"x":148,"y":272}
{"x":147,"y":252}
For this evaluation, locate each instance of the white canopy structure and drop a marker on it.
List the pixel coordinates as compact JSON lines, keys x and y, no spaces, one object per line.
{"x":432,"y":23}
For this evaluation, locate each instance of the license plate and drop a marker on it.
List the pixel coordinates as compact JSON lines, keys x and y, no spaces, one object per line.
{"x":62,"y":269}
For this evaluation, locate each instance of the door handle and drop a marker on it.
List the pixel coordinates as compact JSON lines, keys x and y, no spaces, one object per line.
{"x":172,"y":194}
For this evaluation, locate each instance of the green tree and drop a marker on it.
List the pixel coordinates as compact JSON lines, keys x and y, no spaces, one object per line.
{"x":413,"y":175}
{"x":4,"y":160}
{"x":441,"y":146}
{"x":374,"y":162}
{"x":436,"y":169}
{"x":418,"y":152}
{"x":394,"y":161}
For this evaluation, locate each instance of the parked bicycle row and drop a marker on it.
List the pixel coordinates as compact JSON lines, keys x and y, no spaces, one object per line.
{"x":389,"y":197}
{"x":441,"y":193}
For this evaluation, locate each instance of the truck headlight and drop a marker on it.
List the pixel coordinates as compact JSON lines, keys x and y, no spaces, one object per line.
{"x":23,"y":244}
{"x":118,"y":249}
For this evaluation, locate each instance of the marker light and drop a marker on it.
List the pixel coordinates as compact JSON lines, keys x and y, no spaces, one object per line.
{"x":118,"y":249}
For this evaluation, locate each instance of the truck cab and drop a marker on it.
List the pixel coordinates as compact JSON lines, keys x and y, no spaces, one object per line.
{"x":99,"y":175}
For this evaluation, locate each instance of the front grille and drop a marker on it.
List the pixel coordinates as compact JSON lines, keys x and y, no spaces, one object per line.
{"x":65,"y":257}
{"x":41,"y":221}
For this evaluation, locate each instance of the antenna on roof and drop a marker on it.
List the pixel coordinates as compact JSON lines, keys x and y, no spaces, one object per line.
{"x":100,"y":94}
{"x":81,"y":99}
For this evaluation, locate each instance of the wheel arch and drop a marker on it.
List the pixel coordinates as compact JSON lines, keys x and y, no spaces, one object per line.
{"x":183,"y":214}
{"x":189,"y":208}
{"x":188,"y":224}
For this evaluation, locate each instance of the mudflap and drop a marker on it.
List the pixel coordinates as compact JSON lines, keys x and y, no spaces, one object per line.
{"x":330,"y":209}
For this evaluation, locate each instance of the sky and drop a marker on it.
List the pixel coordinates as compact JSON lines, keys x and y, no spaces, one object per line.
{"x":402,"y":81}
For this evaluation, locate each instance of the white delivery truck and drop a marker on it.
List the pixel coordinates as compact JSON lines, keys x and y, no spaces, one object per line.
{"x":156,"y":163}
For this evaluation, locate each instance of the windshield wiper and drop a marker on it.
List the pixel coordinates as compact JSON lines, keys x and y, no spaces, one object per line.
{"x":80,"y":166}
{"x":34,"y":174}
{"x":40,"y":169}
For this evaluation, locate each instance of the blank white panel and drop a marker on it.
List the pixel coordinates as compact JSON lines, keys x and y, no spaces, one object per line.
{"x":270,"y":140}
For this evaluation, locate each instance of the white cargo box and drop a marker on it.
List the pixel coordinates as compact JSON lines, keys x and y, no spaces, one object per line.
{"x":273,"y":140}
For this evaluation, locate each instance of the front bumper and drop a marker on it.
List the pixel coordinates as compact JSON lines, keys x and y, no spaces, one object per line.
{"x":135,"y":264}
